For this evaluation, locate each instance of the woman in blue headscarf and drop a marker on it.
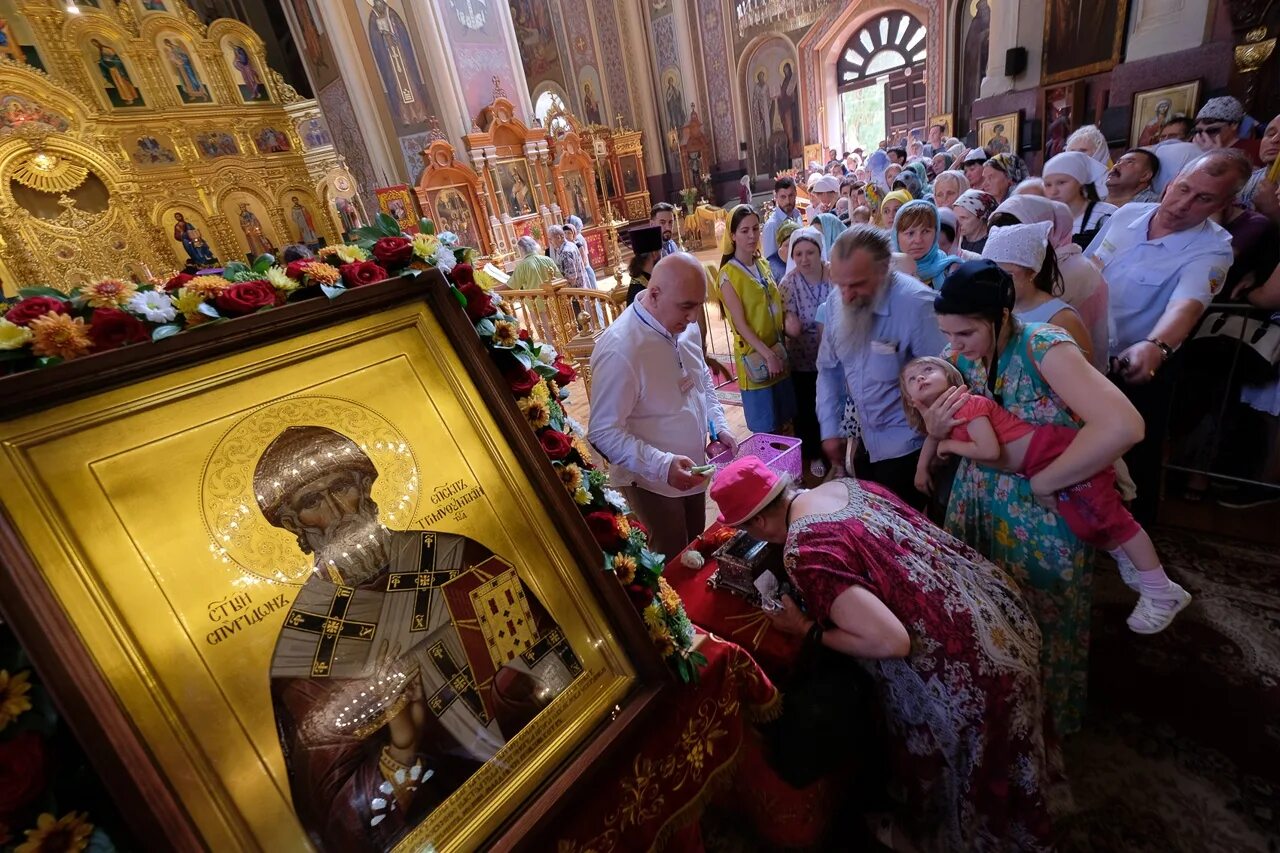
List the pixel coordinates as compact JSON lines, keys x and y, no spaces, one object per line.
{"x":876,"y":164}
{"x":915,"y":243}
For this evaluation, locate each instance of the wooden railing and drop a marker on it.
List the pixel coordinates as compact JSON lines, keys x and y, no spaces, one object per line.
{"x":570,"y":318}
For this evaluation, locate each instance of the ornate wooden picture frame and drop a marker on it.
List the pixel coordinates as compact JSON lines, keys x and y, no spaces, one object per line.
{"x":223,"y":673}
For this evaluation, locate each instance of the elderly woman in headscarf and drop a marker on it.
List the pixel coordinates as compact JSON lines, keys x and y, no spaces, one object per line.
{"x":1079,"y":182}
{"x":533,"y":271}
{"x":805,"y":287}
{"x":948,"y":187}
{"x":917,"y":167}
{"x":914,"y":237}
{"x":1090,"y":140}
{"x":940,"y":163}
{"x":1083,"y":287}
{"x":575,"y":222}
{"x":973,"y":208}
{"x":1002,"y":173}
{"x":945,"y":634}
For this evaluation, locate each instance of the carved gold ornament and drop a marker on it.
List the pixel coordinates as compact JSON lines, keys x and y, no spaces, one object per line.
{"x":1251,"y":55}
{"x":49,"y":173}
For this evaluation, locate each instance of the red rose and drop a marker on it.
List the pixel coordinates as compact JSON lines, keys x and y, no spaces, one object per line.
{"x":360,"y":273}
{"x":522,"y":380}
{"x":393,"y":251}
{"x":294,"y":269}
{"x":557,"y":444}
{"x":177,"y":281}
{"x":564,"y":372}
{"x":32,"y":307}
{"x":462,"y":274}
{"x":479,"y":305}
{"x":525,"y":336}
{"x":111,"y":328}
{"x":605,"y":530}
{"x":22,"y":771}
{"x":245,"y":297}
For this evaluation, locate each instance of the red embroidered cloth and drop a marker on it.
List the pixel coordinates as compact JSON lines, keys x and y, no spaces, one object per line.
{"x":656,"y":792}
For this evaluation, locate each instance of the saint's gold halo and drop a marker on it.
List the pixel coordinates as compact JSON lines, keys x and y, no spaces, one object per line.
{"x":238,"y":532}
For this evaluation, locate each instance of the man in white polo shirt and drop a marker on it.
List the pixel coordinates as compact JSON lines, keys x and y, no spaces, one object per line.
{"x":1163,"y":263}
{"x":652,"y":401}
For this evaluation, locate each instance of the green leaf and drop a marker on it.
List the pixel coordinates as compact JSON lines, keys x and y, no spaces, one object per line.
{"x":208,"y":310}
{"x":426,"y":226}
{"x":368,"y":232}
{"x":331,"y":291}
{"x":263,"y":263}
{"x":457,"y":294}
{"x":42,"y":291}
{"x":546,"y":371}
{"x":524,"y":358}
{"x":388,"y":226}
{"x":234,"y":268}
{"x":159,"y":333}
{"x":48,"y":361}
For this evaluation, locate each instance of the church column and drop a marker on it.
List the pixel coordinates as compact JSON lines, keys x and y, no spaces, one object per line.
{"x":640,"y":65}
{"x":1004,"y":35}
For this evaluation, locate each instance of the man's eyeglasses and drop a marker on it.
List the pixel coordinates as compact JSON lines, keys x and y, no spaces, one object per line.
{"x":1212,"y":130}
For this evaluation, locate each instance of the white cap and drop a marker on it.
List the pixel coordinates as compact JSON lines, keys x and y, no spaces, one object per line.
{"x":1081,"y":166}
{"x":1024,"y":245}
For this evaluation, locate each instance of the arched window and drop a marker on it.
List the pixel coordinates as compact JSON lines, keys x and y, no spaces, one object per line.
{"x":891,"y":42}
{"x":544,"y":103}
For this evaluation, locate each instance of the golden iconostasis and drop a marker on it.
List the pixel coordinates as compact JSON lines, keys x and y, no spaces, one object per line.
{"x":134,"y":139}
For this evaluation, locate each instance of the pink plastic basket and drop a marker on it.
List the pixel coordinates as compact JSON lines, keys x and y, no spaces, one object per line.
{"x":779,"y":452}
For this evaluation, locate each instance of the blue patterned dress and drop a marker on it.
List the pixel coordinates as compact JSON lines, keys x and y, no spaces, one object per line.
{"x":997,"y":514}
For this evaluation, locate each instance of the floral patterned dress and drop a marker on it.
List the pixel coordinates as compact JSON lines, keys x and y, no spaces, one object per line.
{"x":997,"y":514}
{"x":964,"y":708}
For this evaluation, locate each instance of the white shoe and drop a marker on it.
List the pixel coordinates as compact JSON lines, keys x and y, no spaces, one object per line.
{"x":1152,"y":615}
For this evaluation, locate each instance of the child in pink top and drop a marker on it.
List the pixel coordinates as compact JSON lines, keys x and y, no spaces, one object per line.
{"x":993,"y":436}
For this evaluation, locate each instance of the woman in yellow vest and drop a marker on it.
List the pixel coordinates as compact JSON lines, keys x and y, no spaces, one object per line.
{"x":754,"y":303}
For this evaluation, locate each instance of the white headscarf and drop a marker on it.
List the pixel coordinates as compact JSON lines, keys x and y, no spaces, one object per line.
{"x":1174,"y":156}
{"x":962,"y":183}
{"x":813,"y":235}
{"x":1095,"y":137}
{"x":1033,"y":208}
{"x":1024,"y":245}
{"x":1080,"y":166}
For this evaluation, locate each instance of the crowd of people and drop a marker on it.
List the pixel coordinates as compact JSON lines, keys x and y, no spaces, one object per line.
{"x":979,"y":363}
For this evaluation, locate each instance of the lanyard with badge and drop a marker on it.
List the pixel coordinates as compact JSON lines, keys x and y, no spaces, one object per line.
{"x":686,"y":381}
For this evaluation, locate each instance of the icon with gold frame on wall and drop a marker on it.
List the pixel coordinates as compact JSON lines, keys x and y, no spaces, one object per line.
{"x":183,"y":68}
{"x":246,"y":72}
{"x":286,"y":691}
{"x":113,"y":73}
{"x":397,"y":202}
{"x":947,"y":120}
{"x":999,"y":134}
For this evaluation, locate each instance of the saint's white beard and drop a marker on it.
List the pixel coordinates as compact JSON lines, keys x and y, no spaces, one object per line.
{"x":356,"y":545}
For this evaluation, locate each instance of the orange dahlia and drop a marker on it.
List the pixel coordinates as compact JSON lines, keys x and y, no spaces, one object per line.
{"x":206,"y":286}
{"x":59,"y":336}
{"x":108,"y":292}
{"x":320,"y":273}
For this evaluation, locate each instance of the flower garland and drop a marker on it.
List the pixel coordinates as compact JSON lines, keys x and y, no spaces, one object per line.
{"x":45,"y":326}
{"x":537,"y":377}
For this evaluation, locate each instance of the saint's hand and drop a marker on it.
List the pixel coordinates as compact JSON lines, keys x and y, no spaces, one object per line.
{"x":940,"y":417}
{"x":791,"y":619}
{"x":681,"y":474}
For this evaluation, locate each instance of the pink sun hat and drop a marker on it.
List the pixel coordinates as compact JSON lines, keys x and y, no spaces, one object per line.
{"x":744,"y":487}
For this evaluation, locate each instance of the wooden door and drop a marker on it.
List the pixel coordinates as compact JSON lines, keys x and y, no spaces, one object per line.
{"x":904,"y":103}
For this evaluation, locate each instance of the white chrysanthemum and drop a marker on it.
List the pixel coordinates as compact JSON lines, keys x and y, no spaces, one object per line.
{"x":617,"y":501}
{"x":280,"y":281}
{"x":153,"y":305}
{"x":444,"y":258}
{"x":547,"y":354}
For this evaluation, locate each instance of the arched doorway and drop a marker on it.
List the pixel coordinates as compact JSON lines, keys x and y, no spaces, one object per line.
{"x":880,"y":76}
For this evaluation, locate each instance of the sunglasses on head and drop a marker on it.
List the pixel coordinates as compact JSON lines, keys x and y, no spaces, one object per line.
{"x":1212,"y":130}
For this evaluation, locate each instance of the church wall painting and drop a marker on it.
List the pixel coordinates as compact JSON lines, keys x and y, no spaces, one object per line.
{"x":1076,"y":41}
{"x":313,"y":41}
{"x":146,"y":6}
{"x":771,"y":83}
{"x":113,"y":72}
{"x":535,"y":28}
{"x":151,"y":150}
{"x":612,"y":53}
{"x":396,"y":66}
{"x":251,"y":223}
{"x":216,"y":143}
{"x":710,"y":25}
{"x":335,"y":103}
{"x":16,"y":110}
{"x":246,"y":73}
{"x":480,"y":53}
{"x":301,"y":216}
{"x":17,"y":41}
{"x":271,"y":140}
{"x":183,"y":68}
{"x":591,"y":95}
{"x":411,"y":148}
{"x":515,"y":187}
{"x":190,"y":236}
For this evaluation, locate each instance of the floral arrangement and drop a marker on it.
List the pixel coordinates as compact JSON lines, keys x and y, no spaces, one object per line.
{"x":538,"y":378}
{"x":47,"y":790}
{"x":45,"y":326}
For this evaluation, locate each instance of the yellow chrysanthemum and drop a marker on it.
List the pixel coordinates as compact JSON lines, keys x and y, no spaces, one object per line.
{"x":188,"y":301}
{"x":13,"y":696}
{"x":280,"y":281}
{"x":425,"y":245}
{"x":553,"y":389}
{"x":535,"y":411}
{"x":207,"y":285}
{"x":59,"y":336}
{"x":624,"y":526}
{"x":346,"y":253}
{"x":656,"y":622}
{"x":582,"y":497}
{"x":13,"y":336}
{"x":67,"y":834}
{"x":108,"y":292}
{"x":505,"y":334}
{"x":319,"y":273}
{"x":669,"y":597}
{"x":571,"y":476}
{"x":541,"y":392}
{"x":624,"y":567}
{"x":584,"y":449}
